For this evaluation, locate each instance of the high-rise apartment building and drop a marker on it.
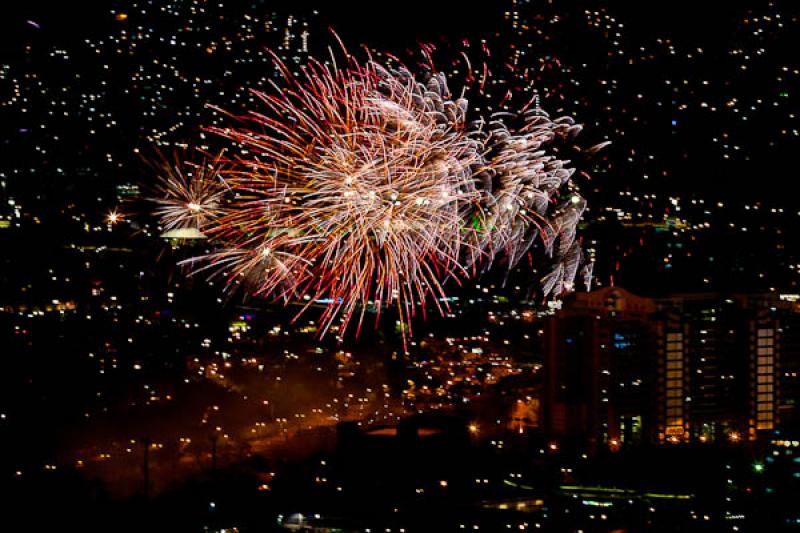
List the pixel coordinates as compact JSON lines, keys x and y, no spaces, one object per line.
{"x":623,"y":369}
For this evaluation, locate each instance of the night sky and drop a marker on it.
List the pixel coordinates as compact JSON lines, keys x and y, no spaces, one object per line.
{"x":111,"y":349}
{"x":694,"y":163}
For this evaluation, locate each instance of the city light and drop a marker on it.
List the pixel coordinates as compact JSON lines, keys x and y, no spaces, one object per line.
{"x":426,"y":266}
{"x":113,"y":217}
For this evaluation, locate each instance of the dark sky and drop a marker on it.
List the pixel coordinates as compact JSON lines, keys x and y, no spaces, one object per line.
{"x":396,"y":25}
{"x":405,"y":21}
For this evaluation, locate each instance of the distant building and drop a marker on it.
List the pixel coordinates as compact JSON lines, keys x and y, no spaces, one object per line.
{"x":622,"y":369}
{"x":719,"y":367}
{"x":128,"y":190}
{"x":599,"y":368}
{"x":789,"y":363}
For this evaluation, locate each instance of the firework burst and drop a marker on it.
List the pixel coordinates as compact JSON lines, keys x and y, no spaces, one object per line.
{"x":362,"y":184}
{"x":528,"y":196}
{"x":354,"y":190}
{"x":189,"y":195}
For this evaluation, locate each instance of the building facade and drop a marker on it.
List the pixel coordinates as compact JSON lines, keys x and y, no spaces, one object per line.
{"x":621,"y":369}
{"x":599,"y":369}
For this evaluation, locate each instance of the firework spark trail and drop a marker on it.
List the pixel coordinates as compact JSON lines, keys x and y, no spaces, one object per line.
{"x":363,"y":184}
